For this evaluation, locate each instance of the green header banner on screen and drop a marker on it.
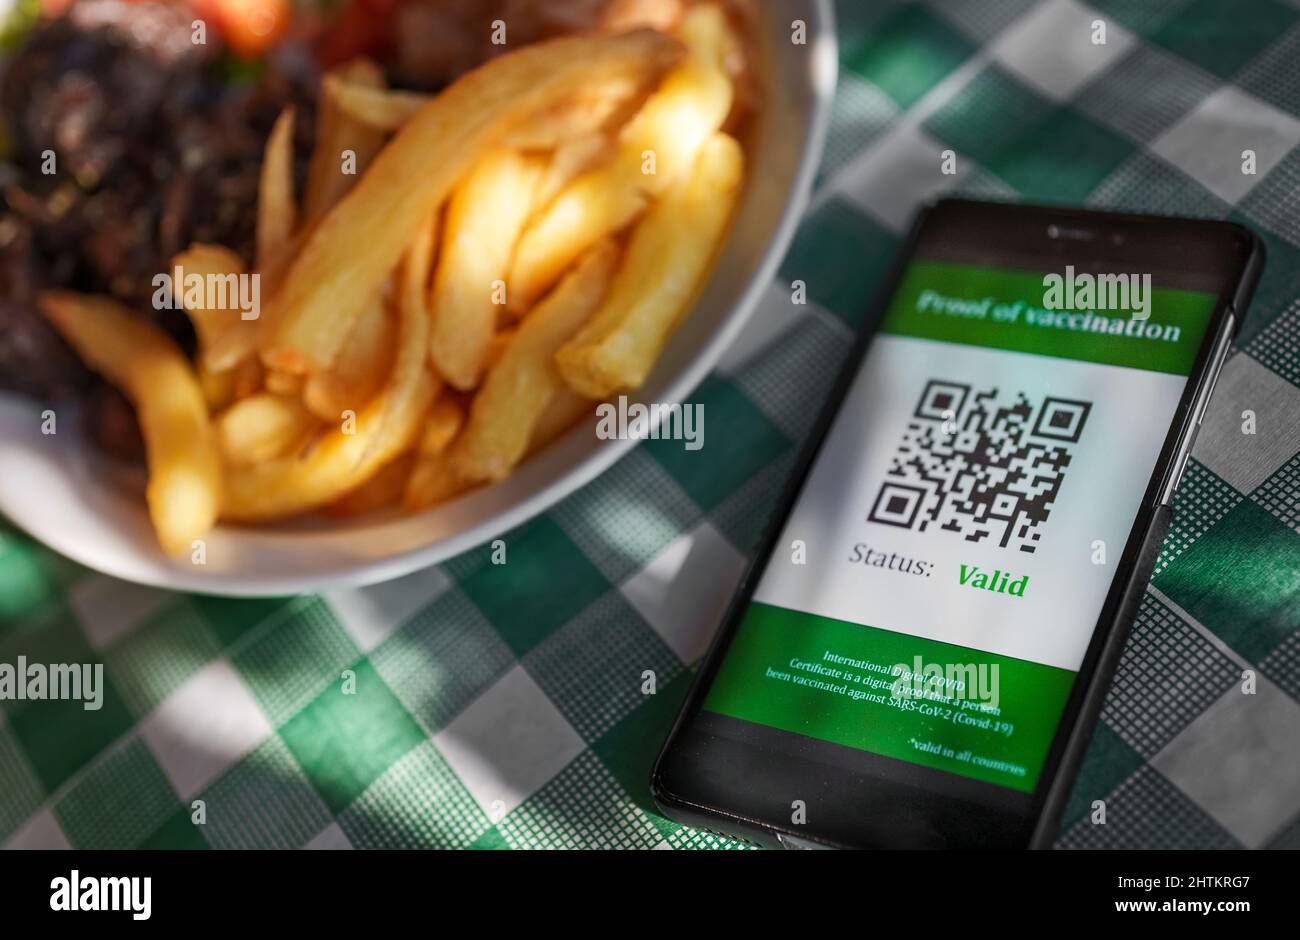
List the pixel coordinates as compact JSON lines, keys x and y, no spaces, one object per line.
{"x":1004,"y":309}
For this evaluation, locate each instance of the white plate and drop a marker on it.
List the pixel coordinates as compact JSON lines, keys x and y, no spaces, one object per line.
{"x":63,"y":493}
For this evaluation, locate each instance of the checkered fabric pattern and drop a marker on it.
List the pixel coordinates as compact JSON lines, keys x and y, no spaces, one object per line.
{"x":502,"y":706}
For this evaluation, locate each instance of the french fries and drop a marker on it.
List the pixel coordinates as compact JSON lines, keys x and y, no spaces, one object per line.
{"x":687,"y":109}
{"x":489,"y":274}
{"x":363,"y":443}
{"x":484,"y":218}
{"x":587,"y":210}
{"x":657,"y":148}
{"x":367,"y":357}
{"x":352,"y":249}
{"x":283,"y":383}
{"x":564,"y":411}
{"x":381,"y":109}
{"x":432,"y":480}
{"x":386,"y":110}
{"x":248,"y":377}
{"x":233,"y":346}
{"x":413,"y":281}
{"x":592,"y":111}
{"x":231,"y":340}
{"x":359,"y":370}
{"x":446,"y":418}
{"x":385,"y":488}
{"x":184,"y":489}
{"x":218,"y":387}
{"x":522,"y":383}
{"x":667,"y":257}
{"x":501,"y":341}
{"x":342,"y":142}
{"x":220,"y":267}
{"x":262,"y":427}
{"x":277,"y":213}
{"x":571,"y":159}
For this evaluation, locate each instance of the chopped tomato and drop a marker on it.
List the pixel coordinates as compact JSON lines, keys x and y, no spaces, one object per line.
{"x":249,"y":27}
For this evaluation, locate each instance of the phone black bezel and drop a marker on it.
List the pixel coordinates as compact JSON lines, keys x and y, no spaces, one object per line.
{"x":987,"y":826}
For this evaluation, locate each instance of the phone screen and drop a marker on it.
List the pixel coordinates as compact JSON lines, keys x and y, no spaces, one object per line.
{"x":938,"y":580}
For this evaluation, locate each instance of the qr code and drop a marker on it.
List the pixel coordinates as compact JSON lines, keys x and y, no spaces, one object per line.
{"x":976,"y":466}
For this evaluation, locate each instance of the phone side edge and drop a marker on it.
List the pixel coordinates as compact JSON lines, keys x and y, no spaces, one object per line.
{"x":1085,"y":721}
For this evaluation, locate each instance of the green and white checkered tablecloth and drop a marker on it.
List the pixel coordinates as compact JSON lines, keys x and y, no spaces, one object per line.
{"x":502,"y":706}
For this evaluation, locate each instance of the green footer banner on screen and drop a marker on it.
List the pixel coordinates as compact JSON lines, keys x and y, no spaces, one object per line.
{"x":957,"y":709}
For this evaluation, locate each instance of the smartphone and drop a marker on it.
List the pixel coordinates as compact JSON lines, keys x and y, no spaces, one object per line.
{"x":920,"y":648}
